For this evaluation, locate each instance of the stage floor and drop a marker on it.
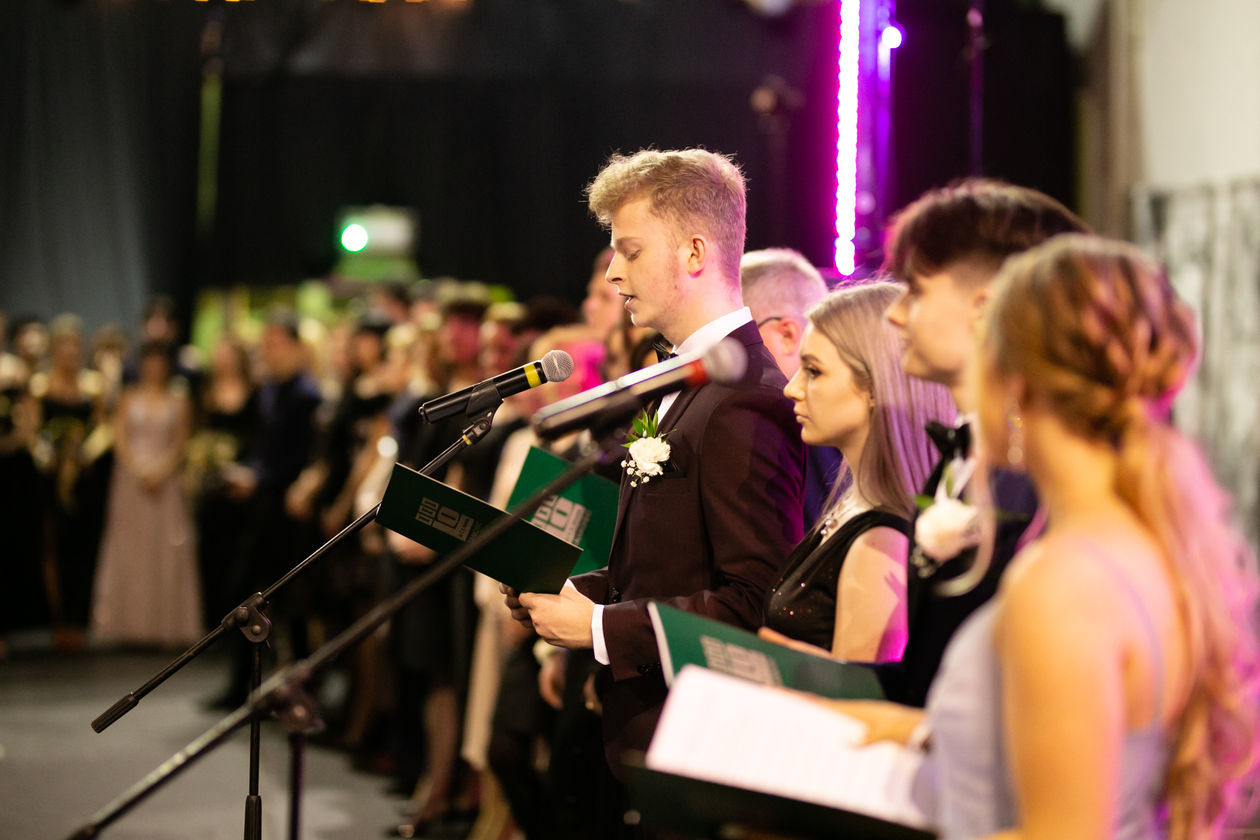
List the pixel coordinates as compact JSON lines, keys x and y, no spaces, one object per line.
{"x":56,"y":772}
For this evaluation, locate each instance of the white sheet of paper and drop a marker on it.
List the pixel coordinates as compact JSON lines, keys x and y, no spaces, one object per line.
{"x":738,"y":733}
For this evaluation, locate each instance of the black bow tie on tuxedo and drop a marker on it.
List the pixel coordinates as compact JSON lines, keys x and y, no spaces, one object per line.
{"x":663,"y":353}
{"x":953,"y":442}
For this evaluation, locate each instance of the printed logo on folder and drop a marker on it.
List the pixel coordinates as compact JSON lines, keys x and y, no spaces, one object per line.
{"x":563,"y":518}
{"x":449,"y":521}
{"x":683,"y":638}
{"x":526,"y":557}
{"x":585,"y":512}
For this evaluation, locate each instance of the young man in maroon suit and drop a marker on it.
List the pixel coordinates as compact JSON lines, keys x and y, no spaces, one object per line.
{"x":709,"y":534}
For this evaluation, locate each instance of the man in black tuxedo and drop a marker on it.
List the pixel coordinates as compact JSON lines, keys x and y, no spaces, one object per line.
{"x":709,"y":534}
{"x":779,"y":287}
{"x":947,"y":247}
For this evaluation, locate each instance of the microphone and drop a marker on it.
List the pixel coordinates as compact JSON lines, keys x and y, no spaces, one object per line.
{"x":613,"y":403}
{"x":555,"y":366}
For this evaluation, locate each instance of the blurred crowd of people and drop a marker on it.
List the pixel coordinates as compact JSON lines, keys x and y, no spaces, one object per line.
{"x":160,"y":487}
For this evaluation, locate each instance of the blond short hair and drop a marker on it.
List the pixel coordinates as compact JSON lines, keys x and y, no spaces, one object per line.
{"x":695,"y":190}
{"x":779,"y":281}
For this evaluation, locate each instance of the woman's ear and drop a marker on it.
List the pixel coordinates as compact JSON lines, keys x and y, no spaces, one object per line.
{"x":1017,"y":389}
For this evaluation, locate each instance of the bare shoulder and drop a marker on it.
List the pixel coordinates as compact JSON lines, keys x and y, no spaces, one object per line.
{"x":881,"y":540}
{"x":1053,"y":563}
{"x":1058,"y":577}
{"x":92,"y":383}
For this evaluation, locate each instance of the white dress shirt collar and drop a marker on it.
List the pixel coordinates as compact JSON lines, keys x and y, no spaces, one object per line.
{"x":703,"y":339}
{"x":714,"y":331}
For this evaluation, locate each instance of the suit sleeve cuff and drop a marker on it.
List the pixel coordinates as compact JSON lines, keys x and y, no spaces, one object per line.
{"x":921,"y":736}
{"x":598,"y":647}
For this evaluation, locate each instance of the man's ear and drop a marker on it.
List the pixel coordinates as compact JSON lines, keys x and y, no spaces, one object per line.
{"x":697,"y":253}
{"x":792,"y":331}
{"x":979,"y":301}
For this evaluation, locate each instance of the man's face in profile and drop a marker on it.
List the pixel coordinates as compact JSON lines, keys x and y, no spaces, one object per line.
{"x":647,"y":265}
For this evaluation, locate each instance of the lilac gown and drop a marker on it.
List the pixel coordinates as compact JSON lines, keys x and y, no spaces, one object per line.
{"x":976,"y":795}
{"x":147,"y":588}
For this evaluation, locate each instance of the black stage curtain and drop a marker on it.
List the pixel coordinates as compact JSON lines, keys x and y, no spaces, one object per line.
{"x":99,"y":105}
{"x":1027,"y":94}
{"x":487,"y":121}
{"x":490,"y":121}
{"x":486,"y":117}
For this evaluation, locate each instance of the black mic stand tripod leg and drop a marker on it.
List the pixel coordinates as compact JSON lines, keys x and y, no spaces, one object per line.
{"x":256,"y":627}
{"x":253,"y":800}
{"x":250,"y":617}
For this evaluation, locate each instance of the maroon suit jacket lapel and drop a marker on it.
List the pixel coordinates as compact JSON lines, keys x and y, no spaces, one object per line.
{"x":623,"y":501}
{"x":670,"y":420}
{"x":749,"y":335}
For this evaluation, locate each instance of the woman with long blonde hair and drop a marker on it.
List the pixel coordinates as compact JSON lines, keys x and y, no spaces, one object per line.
{"x":843,"y":588}
{"x":1110,"y":689}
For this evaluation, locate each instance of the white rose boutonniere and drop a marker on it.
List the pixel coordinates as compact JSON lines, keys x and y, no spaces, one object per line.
{"x":648,"y":451}
{"x":947,"y":527}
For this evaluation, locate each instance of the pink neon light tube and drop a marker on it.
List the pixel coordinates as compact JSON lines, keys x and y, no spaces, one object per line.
{"x":846,"y":135}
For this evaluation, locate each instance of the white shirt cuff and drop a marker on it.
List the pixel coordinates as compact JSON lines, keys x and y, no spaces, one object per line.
{"x":921,"y":736}
{"x":598,"y":647}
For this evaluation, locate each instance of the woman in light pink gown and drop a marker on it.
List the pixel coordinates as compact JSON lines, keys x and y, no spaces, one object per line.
{"x":147,"y":590}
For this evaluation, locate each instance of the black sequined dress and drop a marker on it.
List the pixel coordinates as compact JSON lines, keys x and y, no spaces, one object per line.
{"x":802,"y":604}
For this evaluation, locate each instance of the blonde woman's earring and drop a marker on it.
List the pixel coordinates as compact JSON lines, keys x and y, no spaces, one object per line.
{"x":1014,"y":438}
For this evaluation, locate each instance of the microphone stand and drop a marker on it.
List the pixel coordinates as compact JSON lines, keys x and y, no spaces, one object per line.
{"x":284,"y":692}
{"x":251,"y":619}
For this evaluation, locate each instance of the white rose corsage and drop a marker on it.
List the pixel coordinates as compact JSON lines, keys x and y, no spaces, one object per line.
{"x":648,"y":451}
{"x":947,"y":526}
{"x":945,"y":529}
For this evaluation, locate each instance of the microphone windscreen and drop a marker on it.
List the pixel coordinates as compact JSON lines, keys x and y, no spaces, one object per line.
{"x":726,"y":361}
{"x":557,"y":365}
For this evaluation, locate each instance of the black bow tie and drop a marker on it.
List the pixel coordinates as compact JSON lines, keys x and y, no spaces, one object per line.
{"x":663,"y":353}
{"x":953,"y":442}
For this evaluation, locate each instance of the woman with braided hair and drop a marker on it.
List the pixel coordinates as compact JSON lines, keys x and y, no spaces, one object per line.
{"x":1110,"y":689}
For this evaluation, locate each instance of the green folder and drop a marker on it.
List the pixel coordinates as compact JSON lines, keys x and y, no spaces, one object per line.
{"x":684,"y":638}
{"x":526,"y":557}
{"x":584,"y":513}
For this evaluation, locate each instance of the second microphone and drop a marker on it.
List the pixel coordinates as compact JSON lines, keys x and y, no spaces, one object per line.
{"x":555,"y":366}
{"x":606,"y":406}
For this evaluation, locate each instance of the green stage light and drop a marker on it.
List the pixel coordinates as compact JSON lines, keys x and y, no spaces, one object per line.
{"x":354,"y":238}
{"x":376,"y":241}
